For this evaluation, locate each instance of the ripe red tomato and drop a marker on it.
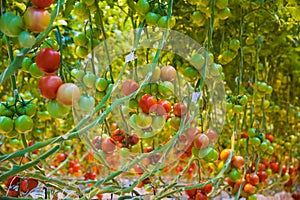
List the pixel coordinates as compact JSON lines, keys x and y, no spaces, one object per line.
{"x":270,"y":137}
{"x":48,"y":60}
{"x":168,"y":73}
{"x":108,"y":145}
{"x":263,"y":176}
{"x":191,"y":192}
{"x":163,"y":107}
{"x":42,"y":3}
{"x":249,"y":188}
{"x":200,"y":196}
{"x":238,"y":162}
{"x":68,"y":94}
{"x":201,"y":141}
{"x":252,"y":178}
{"x":179,"y":109}
{"x":118,"y":135}
{"x":138,"y":170}
{"x":11,"y":181}
{"x":133,"y":139}
{"x":49,"y":85}
{"x":28,"y":184}
{"x":191,"y":133}
{"x":61,"y":157}
{"x":275,"y":167}
{"x":225,"y":154}
{"x":148,"y":103}
{"x":12,"y":193}
{"x":212,"y":135}
{"x":36,"y":19}
{"x":207,"y":189}
{"x":128,"y":87}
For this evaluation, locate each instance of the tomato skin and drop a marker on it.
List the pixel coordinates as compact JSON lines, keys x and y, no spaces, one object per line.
{"x":6,"y":124}
{"x":200,"y":196}
{"x":249,"y":188}
{"x":36,"y":19}
{"x":23,"y":124}
{"x":163,"y":107}
{"x":28,"y":184}
{"x":225,"y":154}
{"x":252,"y":178}
{"x":148,"y":103}
{"x":42,"y":3}
{"x":11,"y":24}
{"x":49,"y":85}
{"x":48,"y":60}
{"x":128,"y":87}
{"x":201,"y":141}
{"x":11,"y":181}
{"x":67,"y":94}
{"x":26,"y":39}
{"x":238,"y":162}
{"x":179,"y":109}
{"x":133,"y":139}
{"x":108,"y":145}
{"x":118,"y":135}
{"x":191,"y":192}
{"x":57,"y":110}
{"x":168,"y":73}
{"x":12,"y":193}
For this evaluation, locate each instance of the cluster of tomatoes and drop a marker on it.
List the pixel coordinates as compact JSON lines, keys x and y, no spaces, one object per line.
{"x":16,"y":118}
{"x":36,"y":19}
{"x":51,"y":85}
{"x":154,"y":14}
{"x":16,"y":184}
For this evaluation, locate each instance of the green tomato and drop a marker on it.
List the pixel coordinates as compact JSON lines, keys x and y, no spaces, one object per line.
{"x":80,"y":39}
{"x":255,"y":142}
{"x":211,"y":156}
{"x":26,"y":62}
{"x":35,"y":71}
{"x":23,"y":124}
{"x":263,"y":146}
{"x":158,"y":122}
{"x":252,"y":197}
{"x":86,"y":103}
{"x":198,"y":61}
{"x":11,"y":24}
{"x":142,"y":7}
{"x":221,"y":4}
{"x":81,"y":10}
{"x":101,"y":84}
{"x":6,"y":124}
{"x":143,"y":120}
{"x":163,"y":22}
{"x":251,"y":132}
{"x":6,"y":110}
{"x":166,"y":89}
{"x":238,"y":109}
{"x":81,"y":51}
{"x":234,"y":45}
{"x":190,"y":74}
{"x":26,"y":40}
{"x":124,"y":152}
{"x":152,"y":18}
{"x":89,"y":80}
{"x":198,"y":18}
{"x":78,"y":74}
{"x":234,"y":175}
{"x":224,"y":14}
{"x":57,"y":110}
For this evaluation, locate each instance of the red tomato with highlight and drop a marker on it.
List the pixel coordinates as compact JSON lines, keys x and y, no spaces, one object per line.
{"x":108,"y":145}
{"x":191,"y":192}
{"x":28,"y":184}
{"x":48,"y":60}
{"x":48,"y":86}
{"x":42,"y":3}
{"x":148,"y":103}
{"x":11,"y":181}
{"x":179,"y":109}
{"x":118,"y":135}
{"x":163,"y":107}
{"x":36,"y":19}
